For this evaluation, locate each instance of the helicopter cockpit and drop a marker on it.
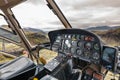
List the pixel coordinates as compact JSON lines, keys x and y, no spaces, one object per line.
{"x":73,"y":62}
{"x":81,"y":55}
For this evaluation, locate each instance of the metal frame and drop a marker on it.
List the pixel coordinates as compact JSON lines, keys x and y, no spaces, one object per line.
{"x":53,"y":6}
{"x":6,"y":6}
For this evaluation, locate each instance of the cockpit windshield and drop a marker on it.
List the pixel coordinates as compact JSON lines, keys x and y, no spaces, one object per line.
{"x":101,"y":17}
{"x":6,"y":32}
{"x":36,"y":14}
{"x":36,"y":19}
{"x":95,"y":16}
{"x":87,"y":13}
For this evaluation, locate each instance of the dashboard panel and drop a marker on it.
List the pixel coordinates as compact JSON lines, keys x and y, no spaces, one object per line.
{"x":79,"y":43}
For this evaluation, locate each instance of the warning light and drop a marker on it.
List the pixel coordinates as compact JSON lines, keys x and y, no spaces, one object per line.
{"x":88,"y":38}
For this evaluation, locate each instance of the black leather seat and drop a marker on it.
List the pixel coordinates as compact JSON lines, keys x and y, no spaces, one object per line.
{"x":15,"y":67}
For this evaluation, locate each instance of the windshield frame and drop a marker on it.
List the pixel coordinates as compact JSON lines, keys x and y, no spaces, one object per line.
{"x":12,"y":32}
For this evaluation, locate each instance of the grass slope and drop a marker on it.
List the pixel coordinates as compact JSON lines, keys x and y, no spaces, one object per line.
{"x":111,"y":37}
{"x":37,"y":38}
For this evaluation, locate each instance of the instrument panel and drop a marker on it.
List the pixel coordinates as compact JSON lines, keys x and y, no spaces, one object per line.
{"x":79,"y":43}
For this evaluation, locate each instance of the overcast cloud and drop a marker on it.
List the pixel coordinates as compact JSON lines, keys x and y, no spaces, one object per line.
{"x":83,"y":13}
{"x":36,"y":2}
{"x":86,"y":13}
{"x":80,"y":13}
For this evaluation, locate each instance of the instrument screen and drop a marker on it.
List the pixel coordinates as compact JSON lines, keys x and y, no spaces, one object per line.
{"x":79,"y":43}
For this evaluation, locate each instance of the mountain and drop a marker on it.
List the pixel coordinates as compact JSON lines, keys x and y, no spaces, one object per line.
{"x":110,"y":37}
{"x":34,"y":30}
{"x":102,"y":28}
{"x":35,"y":36}
{"x":113,"y":34}
{"x":116,"y":27}
{"x":8,"y":35}
{"x":28,"y":29}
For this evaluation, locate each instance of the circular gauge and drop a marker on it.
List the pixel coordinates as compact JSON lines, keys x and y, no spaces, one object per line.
{"x":77,"y":37}
{"x":96,"y":46}
{"x":74,"y":43}
{"x":65,"y":47}
{"x":96,"y":56}
{"x":69,"y":36}
{"x":68,"y":43}
{"x":86,"y":54}
{"x":62,"y":36}
{"x":66,"y":36}
{"x":88,"y":45}
{"x":79,"y":43}
{"x":58,"y":39}
{"x":72,"y":50}
{"x":82,"y":37}
{"x":78,"y":51}
{"x":73,"y":36}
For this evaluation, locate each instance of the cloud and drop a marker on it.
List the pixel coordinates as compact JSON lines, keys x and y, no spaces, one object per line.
{"x":36,"y":2}
{"x":80,"y":13}
{"x":91,"y":12}
{"x":78,"y":4}
{"x":104,"y":3}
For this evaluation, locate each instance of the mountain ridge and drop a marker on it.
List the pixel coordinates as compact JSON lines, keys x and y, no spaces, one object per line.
{"x":110,"y":37}
{"x":104,"y":28}
{"x":34,"y":30}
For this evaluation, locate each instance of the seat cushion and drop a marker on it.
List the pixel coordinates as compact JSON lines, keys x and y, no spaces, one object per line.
{"x":15,"y":67}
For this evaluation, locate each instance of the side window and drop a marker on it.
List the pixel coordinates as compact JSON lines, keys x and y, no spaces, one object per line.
{"x":9,"y":48}
{"x":9,"y":51}
{"x":6,"y":32}
{"x":3,"y":23}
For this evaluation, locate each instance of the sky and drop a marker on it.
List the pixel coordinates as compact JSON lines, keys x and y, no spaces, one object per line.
{"x":80,"y":13}
{"x":84,"y":13}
